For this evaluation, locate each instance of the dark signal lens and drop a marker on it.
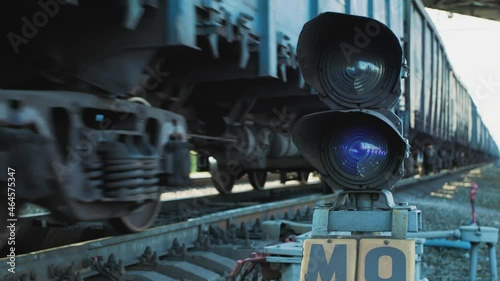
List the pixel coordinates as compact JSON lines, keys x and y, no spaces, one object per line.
{"x":354,"y":80}
{"x":364,"y":76}
{"x":357,"y":80}
{"x":354,"y":62}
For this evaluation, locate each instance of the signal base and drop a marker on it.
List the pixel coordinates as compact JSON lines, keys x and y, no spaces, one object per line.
{"x":347,"y":237}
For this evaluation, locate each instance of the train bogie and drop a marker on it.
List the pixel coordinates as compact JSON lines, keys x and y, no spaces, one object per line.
{"x":86,"y":157}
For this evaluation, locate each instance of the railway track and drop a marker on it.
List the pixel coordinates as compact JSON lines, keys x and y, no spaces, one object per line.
{"x":52,"y":232}
{"x":228,"y":231}
{"x":203,"y":244}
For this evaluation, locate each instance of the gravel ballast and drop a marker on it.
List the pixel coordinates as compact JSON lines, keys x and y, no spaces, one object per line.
{"x":445,"y":205}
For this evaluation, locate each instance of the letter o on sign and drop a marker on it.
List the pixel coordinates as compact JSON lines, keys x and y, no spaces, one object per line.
{"x":386,"y":260}
{"x":398,"y":258}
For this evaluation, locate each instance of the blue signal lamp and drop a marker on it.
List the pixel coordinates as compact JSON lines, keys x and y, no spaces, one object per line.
{"x":353,"y":149}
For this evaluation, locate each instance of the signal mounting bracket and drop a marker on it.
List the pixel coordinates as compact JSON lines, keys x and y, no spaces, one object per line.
{"x":357,"y":212}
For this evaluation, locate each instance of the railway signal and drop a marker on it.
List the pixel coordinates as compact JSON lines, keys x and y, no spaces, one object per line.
{"x":357,"y":71}
{"x":356,"y":65}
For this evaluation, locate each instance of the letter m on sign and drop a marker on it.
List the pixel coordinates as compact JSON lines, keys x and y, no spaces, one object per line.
{"x":329,"y":260}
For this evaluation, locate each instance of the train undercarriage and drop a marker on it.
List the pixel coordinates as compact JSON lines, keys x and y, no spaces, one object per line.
{"x":84,"y":161}
{"x":98,"y":119}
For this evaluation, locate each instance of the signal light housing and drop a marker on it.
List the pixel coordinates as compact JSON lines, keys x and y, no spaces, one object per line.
{"x":356,"y":64}
{"x":353,"y":149}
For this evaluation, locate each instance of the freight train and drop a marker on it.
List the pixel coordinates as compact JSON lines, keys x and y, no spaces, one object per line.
{"x":101,"y":102}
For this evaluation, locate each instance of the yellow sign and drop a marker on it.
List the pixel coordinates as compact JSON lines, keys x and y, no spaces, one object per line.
{"x":337,"y":260}
{"x":328,"y":259}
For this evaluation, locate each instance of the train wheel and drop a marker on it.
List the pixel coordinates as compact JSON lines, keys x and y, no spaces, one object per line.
{"x":303,"y":177}
{"x":222,"y":180}
{"x":257,"y":179}
{"x":138,"y":220}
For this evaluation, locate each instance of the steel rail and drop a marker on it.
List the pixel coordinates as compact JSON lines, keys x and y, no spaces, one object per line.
{"x":81,"y":260}
{"x":128,"y":248}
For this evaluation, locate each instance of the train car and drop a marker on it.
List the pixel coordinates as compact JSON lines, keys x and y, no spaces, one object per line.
{"x":443,"y":126}
{"x":101,"y":101}
{"x":97,"y":99}
{"x":257,"y":93}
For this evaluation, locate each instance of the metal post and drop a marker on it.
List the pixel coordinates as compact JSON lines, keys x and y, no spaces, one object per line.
{"x":476,"y":235}
{"x":436,"y":234}
{"x":493,"y":261}
{"x":364,"y":202}
{"x":473,"y":260}
{"x":419,"y":252}
{"x":320,"y":219}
